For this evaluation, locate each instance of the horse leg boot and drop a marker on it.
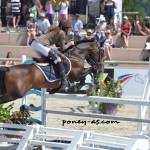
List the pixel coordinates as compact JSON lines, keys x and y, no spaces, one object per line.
{"x":60,"y":67}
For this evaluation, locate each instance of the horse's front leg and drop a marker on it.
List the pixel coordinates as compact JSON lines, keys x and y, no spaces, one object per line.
{"x":52,"y":91}
{"x":85,"y":72}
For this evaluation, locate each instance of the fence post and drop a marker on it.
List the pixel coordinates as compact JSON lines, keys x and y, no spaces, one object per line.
{"x":43,"y":114}
{"x":23,"y":58}
{"x":142,"y":109}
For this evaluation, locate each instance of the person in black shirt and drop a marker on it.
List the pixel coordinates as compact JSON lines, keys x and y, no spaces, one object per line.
{"x":16,"y":5}
{"x":109,"y":11}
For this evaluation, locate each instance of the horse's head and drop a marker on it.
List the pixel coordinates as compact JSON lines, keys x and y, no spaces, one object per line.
{"x":92,"y":52}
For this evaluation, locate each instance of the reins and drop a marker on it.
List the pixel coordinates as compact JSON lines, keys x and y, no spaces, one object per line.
{"x":94,"y":63}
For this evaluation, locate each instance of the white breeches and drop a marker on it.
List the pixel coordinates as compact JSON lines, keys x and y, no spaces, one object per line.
{"x":39,"y":48}
{"x":45,"y":51}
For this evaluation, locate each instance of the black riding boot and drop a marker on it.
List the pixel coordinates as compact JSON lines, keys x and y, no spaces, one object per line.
{"x":64,"y":82}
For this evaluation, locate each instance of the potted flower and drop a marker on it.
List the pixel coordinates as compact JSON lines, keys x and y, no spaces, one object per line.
{"x":113,"y":88}
{"x":17,"y":117}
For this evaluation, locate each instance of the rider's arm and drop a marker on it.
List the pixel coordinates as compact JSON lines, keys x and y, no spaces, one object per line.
{"x":51,"y":28}
{"x":62,"y":41}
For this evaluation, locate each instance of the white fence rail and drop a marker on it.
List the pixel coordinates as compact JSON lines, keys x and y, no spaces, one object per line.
{"x":70,"y":139}
{"x":54,"y":138}
{"x":127,"y":62}
{"x":22,"y":59}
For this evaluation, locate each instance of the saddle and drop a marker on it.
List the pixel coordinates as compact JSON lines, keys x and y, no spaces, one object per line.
{"x":48,"y":69}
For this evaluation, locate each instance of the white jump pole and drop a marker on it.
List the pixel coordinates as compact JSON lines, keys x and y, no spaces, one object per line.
{"x":23,"y":58}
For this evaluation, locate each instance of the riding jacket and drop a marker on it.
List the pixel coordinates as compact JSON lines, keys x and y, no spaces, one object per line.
{"x":53,"y":37}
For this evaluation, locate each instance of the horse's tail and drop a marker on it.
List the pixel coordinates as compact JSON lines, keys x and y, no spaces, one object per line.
{"x":3,"y":71}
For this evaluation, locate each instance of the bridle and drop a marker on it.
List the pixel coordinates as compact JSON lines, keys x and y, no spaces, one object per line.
{"x":96,"y":63}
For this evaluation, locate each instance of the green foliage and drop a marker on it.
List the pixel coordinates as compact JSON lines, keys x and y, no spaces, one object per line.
{"x":134,"y":6}
{"x":17,"y":117}
{"x":57,"y":1}
{"x":5,"y":113}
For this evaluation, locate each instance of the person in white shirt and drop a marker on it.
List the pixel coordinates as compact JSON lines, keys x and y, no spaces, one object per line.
{"x":42,"y":24}
{"x":63,"y":14}
{"x":31,"y":28}
{"x":108,"y":45}
{"x":77,"y":26}
{"x":101,"y":28}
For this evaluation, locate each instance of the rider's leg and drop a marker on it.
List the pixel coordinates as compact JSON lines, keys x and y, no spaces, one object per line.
{"x":60,"y":67}
{"x":40,"y":49}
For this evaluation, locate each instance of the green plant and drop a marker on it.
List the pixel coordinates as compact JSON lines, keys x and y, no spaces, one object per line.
{"x":5,"y":113}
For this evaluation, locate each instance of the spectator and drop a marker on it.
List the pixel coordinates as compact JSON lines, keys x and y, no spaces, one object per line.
{"x":38,"y":6}
{"x":142,"y":29}
{"x":63,"y":14}
{"x":101,"y":28}
{"x":109,"y":11}
{"x":9,"y":55}
{"x":34,"y":9}
{"x":26,"y":9}
{"x":147,"y":23}
{"x":112,"y":27}
{"x":108,"y":45}
{"x":125,"y":31}
{"x":89,"y":35}
{"x":42,"y":24}
{"x":133,"y":26}
{"x":16,"y":5}
{"x":77,"y":26}
{"x":145,"y":54}
{"x":49,"y":10}
{"x":31,"y":28}
{"x":0,"y":25}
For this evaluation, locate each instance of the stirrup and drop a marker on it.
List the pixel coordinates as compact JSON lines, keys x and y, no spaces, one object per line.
{"x":65,"y":85}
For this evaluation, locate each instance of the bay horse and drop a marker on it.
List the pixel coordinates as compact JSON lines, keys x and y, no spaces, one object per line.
{"x":18,"y":79}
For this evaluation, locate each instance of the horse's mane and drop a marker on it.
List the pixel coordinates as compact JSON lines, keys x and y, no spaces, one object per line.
{"x":67,"y":49}
{"x":84,"y":41}
{"x":77,"y":43}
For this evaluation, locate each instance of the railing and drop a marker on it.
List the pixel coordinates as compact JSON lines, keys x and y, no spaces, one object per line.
{"x":32,"y":137}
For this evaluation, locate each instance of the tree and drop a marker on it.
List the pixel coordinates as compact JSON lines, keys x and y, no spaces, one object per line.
{"x":134,"y":6}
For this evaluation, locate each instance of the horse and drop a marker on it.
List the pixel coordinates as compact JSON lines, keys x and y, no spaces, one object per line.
{"x":18,"y":79}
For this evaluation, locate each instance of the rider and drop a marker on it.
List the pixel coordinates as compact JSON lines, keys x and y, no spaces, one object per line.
{"x":41,"y":45}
